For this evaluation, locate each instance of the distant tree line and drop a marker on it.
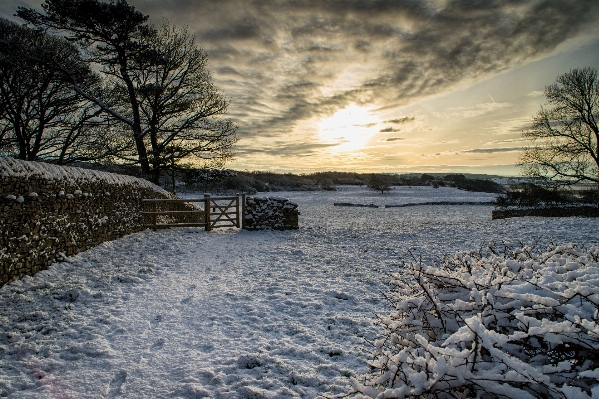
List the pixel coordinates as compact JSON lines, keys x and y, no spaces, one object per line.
{"x":257,"y":181}
{"x":91,"y":81}
{"x":384,"y":182}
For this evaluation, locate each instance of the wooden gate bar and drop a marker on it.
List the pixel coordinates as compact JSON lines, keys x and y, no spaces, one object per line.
{"x":221,"y":210}
{"x":215,"y":214}
{"x":169,"y":200}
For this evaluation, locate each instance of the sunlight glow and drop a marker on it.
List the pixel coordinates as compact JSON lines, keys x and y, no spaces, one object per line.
{"x":350,"y":128}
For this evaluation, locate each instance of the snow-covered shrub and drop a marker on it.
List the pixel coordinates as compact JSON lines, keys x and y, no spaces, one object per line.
{"x":519,"y":324}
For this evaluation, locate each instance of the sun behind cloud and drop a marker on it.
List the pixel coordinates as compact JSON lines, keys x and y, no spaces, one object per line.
{"x":350,"y":128}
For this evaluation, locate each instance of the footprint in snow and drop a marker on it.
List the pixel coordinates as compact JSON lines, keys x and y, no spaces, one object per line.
{"x":158,"y":344}
{"x":157,"y":320}
{"x":114,"y":389}
{"x":341,"y":295}
{"x":186,"y":300}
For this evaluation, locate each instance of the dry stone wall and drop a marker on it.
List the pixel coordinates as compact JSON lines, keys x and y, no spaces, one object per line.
{"x":271,"y":214}
{"x":583,"y":211}
{"x":49,"y":211}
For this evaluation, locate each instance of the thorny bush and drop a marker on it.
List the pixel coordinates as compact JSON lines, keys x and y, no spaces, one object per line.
{"x":514,"y":323}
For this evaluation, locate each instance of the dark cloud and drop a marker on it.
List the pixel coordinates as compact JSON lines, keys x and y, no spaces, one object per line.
{"x":395,"y":138}
{"x":401,"y":120}
{"x":389,"y":130}
{"x":280,"y":149}
{"x":493,"y":150}
{"x":363,"y":46}
{"x":237,"y":31}
{"x":515,"y":140}
{"x":226,"y":70}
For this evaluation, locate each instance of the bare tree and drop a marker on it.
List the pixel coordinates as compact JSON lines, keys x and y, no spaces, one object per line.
{"x":378,"y":182}
{"x":565,"y":136}
{"x":179,"y":104}
{"x":41,"y":116}
{"x":163,"y":96}
{"x":111,"y":33}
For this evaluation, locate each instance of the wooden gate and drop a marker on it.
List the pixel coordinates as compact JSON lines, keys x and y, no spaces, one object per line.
{"x":216,"y":212}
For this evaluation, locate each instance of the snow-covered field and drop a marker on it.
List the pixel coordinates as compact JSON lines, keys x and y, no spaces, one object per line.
{"x":237,"y":314}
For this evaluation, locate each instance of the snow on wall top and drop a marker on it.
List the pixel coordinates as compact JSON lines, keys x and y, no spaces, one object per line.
{"x":11,"y":167}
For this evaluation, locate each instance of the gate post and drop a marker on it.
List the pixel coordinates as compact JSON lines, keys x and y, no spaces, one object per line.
{"x":243,"y":210}
{"x":237,"y":216}
{"x":207,"y":211}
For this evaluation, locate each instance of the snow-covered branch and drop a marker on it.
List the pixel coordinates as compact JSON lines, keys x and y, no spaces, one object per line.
{"x":520,"y":324}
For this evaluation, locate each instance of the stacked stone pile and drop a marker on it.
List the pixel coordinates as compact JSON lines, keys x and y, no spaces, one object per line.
{"x":271,"y":213}
{"x":48,"y":212}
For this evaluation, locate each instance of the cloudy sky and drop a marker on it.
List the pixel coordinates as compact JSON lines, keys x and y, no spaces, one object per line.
{"x":382,"y":85}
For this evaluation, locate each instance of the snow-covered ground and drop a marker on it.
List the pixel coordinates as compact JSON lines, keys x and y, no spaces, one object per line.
{"x":236,"y":314}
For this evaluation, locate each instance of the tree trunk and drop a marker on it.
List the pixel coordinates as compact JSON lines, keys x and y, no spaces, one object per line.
{"x":142,"y":152}
{"x":22,"y":139}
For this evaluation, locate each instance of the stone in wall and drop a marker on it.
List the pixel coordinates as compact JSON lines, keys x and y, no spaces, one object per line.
{"x":268,"y":213}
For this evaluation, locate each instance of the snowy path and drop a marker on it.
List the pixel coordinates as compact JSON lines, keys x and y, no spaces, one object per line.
{"x":233,"y":314}
{"x":181,"y":324}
